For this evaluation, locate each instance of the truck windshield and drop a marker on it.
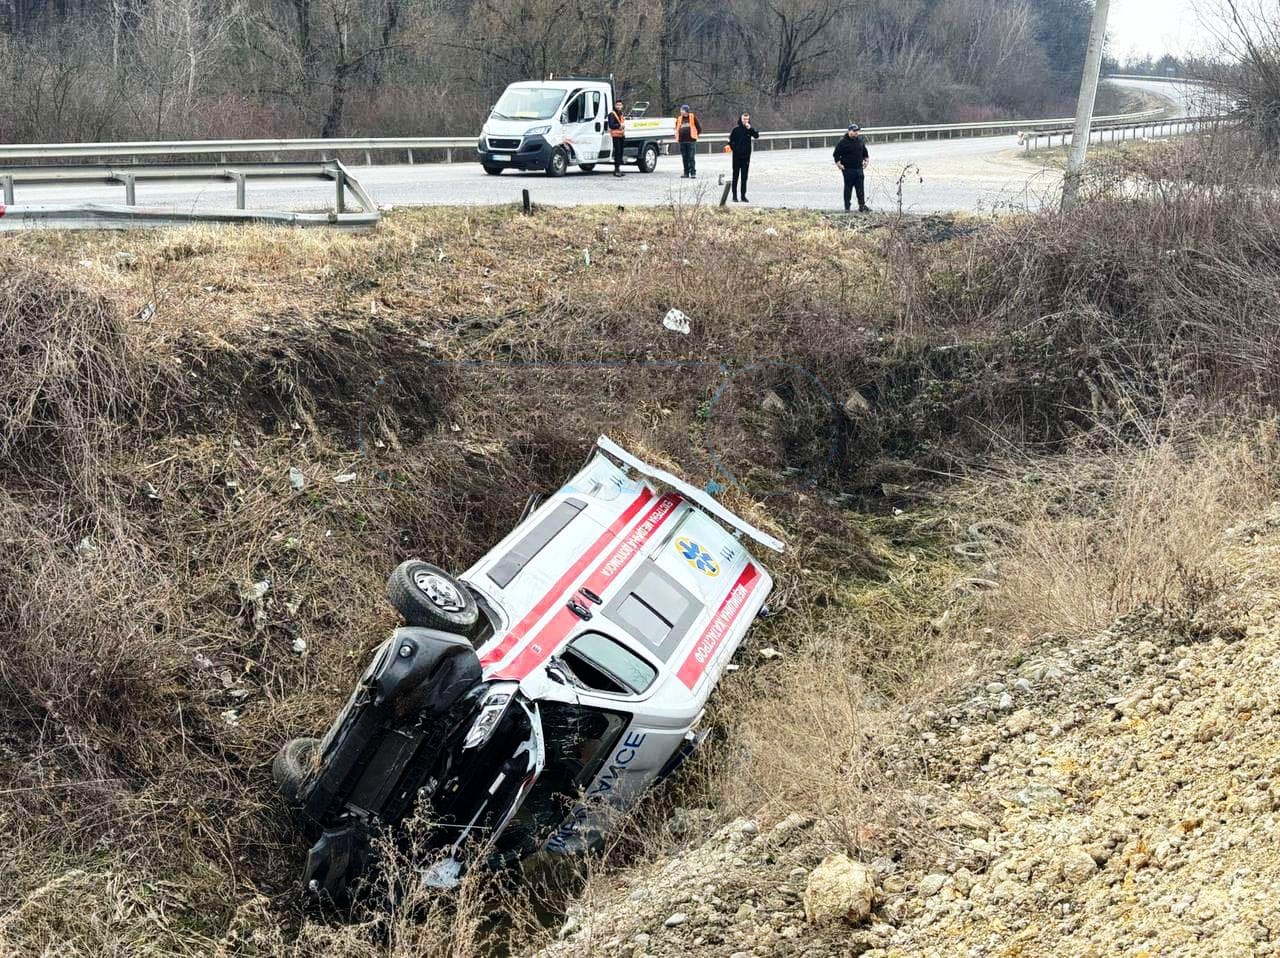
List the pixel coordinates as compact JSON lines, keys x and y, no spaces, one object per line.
{"x":528,"y":103}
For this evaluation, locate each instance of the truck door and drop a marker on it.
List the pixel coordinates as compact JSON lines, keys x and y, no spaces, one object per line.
{"x":581,"y":122}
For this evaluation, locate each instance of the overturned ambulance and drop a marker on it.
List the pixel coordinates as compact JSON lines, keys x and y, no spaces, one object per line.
{"x":531,"y":699}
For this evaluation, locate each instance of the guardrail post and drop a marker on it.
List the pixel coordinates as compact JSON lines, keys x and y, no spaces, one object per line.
{"x":368,"y":158}
{"x":129,"y":196}
{"x":340,"y":200}
{"x":410,"y":153}
{"x":240,"y":191}
{"x":7,"y":181}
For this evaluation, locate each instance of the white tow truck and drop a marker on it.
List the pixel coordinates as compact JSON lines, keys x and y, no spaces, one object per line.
{"x":552,"y":124}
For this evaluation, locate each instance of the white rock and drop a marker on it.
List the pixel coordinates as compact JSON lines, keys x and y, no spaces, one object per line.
{"x":1020,"y":721}
{"x":930,"y":885}
{"x":839,"y":888}
{"x":1078,"y":865}
{"x":679,"y":918}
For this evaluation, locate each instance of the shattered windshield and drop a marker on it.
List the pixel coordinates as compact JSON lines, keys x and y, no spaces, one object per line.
{"x":528,"y":103}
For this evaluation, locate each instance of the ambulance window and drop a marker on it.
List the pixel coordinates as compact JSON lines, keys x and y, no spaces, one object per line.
{"x":595,"y":105}
{"x":509,"y":566}
{"x":655,"y":608}
{"x":601,"y":664}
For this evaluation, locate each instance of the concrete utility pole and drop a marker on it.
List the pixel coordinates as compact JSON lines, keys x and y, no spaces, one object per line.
{"x":1084,"y":111}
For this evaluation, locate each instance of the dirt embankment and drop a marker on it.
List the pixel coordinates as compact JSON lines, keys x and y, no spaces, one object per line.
{"x":1113,"y":795}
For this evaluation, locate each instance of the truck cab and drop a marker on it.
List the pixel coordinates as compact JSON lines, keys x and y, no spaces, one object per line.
{"x":550,"y":125}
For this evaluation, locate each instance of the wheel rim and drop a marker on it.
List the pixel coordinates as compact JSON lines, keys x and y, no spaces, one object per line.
{"x":442,"y":593}
{"x":650,"y":158}
{"x":559,"y":163}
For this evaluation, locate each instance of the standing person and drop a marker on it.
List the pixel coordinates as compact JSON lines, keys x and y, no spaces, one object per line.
{"x":740,"y":138}
{"x":617,"y":124}
{"x":852,"y":158}
{"x":687,"y":131}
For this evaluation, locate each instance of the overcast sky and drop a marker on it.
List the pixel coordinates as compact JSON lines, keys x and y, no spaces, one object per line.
{"x":1154,"y":27}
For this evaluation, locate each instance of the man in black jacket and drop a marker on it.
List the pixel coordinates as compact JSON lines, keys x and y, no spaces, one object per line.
{"x":852,"y":158}
{"x":740,"y":138}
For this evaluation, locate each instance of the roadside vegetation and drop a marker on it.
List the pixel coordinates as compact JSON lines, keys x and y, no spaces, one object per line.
{"x":970,"y":434}
{"x":212,"y":69}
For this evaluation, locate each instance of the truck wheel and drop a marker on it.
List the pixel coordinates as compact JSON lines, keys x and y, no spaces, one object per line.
{"x":558,"y":165}
{"x":649,"y":158}
{"x":586,"y":167}
{"x":431,"y":598}
{"x":292,"y":765}
{"x":493,"y":170}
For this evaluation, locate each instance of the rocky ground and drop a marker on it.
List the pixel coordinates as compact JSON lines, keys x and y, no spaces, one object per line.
{"x":1116,"y":795}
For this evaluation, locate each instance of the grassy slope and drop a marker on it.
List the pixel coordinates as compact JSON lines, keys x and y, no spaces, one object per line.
{"x":159,"y":387}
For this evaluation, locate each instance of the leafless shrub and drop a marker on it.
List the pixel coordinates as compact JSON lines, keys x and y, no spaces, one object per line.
{"x":1107,"y":534}
{"x":68,"y":374}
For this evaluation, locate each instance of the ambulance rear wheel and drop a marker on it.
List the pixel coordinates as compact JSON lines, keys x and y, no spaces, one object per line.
{"x":558,"y":165}
{"x":586,"y":167}
{"x":293,"y":764}
{"x":649,"y":158}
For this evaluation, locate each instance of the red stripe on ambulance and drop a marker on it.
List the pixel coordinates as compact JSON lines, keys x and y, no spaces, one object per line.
{"x":560,"y":591}
{"x":704,"y":650}
{"x":548,"y":639}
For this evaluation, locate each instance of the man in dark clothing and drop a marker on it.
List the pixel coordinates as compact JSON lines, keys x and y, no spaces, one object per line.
{"x":852,"y":158}
{"x":740,"y":138}
{"x":617,"y":124}
{"x":688,"y":129}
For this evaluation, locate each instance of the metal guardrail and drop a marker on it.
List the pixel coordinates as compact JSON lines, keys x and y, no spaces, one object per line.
{"x":46,"y":152}
{"x":100,"y":216}
{"x":96,"y":216}
{"x":1174,"y":127}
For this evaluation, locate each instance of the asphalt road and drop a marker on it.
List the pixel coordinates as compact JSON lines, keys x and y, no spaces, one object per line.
{"x":980,"y":174}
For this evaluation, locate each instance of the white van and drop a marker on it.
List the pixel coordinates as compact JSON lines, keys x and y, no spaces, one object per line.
{"x":552,"y":124}
{"x":529,"y":700}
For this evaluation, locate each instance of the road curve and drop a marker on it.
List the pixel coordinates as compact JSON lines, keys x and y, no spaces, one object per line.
{"x":980,"y":174}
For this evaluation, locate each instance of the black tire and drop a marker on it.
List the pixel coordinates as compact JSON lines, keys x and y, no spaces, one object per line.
{"x":492,"y":170}
{"x":648,"y":161}
{"x":431,"y":598}
{"x":558,"y":165}
{"x":293,"y":763}
{"x":586,"y":167}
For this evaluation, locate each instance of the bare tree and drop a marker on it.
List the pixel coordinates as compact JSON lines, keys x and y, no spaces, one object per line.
{"x":1249,"y":36}
{"x":801,"y":40}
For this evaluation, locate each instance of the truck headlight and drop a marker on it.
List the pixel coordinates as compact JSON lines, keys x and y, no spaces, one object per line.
{"x":492,"y":707}
{"x":537,"y":131}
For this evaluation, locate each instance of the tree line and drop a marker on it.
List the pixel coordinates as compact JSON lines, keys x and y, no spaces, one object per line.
{"x":129,"y":69}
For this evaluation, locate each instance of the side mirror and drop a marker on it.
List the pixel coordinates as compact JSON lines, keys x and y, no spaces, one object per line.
{"x":564,"y":117}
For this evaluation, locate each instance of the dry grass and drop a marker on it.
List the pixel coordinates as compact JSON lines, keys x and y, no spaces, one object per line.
{"x":1103,"y":535}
